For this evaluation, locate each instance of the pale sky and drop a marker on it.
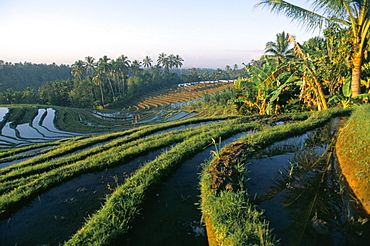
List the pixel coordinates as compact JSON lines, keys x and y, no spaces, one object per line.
{"x":205,"y":33}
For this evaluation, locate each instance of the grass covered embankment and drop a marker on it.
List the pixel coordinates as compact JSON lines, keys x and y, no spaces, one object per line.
{"x":24,"y":181}
{"x":114,"y":219}
{"x":230,"y":218}
{"x":353,"y":147}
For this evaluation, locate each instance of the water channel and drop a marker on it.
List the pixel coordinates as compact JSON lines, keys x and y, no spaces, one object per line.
{"x":298,"y":184}
{"x":171,"y":215}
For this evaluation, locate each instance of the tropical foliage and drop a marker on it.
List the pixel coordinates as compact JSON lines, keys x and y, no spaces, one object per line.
{"x":293,"y":77}
{"x":106,"y":81}
{"x":19,"y":76}
{"x":350,"y":15}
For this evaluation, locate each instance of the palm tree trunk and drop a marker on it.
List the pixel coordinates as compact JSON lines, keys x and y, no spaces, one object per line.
{"x":356,"y":74}
{"x":102,"y":95}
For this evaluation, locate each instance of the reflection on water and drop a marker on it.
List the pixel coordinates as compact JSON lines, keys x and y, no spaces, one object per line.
{"x":41,"y":129}
{"x":298,"y":185}
{"x":3,"y":112}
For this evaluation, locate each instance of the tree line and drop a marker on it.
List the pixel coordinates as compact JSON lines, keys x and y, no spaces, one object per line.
{"x":20,"y":75}
{"x":106,"y":81}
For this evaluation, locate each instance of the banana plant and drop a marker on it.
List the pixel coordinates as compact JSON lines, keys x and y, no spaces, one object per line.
{"x":262,"y":89}
{"x":345,"y":99}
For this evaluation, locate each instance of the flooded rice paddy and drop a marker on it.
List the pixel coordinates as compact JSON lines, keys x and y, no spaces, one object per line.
{"x":171,"y":215}
{"x":41,"y":129}
{"x":298,"y":184}
{"x":56,"y":215}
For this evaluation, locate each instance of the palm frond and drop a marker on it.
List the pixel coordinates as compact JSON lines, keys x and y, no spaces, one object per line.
{"x":308,"y":18}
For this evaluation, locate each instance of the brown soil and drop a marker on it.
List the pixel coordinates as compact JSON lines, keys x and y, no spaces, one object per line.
{"x":223,"y":177}
{"x":223,"y":172}
{"x":349,"y":160}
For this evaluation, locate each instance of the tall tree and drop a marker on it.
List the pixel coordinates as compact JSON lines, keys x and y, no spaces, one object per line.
{"x":103,"y":75}
{"x":161,"y":59}
{"x":135,"y":66}
{"x":89,"y":65}
{"x":77,"y":69}
{"x":352,"y":14}
{"x":279,"y":50}
{"x":178,"y":61}
{"x":147,"y":62}
{"x":171,"y":61}
{"x":123,"y":64}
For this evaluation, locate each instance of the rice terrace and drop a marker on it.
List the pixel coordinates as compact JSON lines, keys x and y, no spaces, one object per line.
{"x":113,"y":151}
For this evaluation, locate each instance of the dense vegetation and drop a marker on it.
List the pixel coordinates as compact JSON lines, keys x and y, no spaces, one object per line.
{"x":97,"y":84}
{"x":28,"y":76}
{"x":328,"y":76}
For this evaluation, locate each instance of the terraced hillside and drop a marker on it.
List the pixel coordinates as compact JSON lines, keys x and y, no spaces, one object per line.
{"x":143,"y":179}
{"x":28,"y":124}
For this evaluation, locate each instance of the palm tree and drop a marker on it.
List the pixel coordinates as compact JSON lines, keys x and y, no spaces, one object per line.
{"x":89,"y":65}
{"x":178,"y":61}
{"x":352,"y":14}
{"x":147,"y":62}
{"x":135,"y":66}
{"x":77,"y":69}
{"x":280,"y":49}
{"x":171,"y":61}
{"x":99,"y":82}
{"x":161,"y":59}
{"x":123,"y":64}
{"x":103,"y":72}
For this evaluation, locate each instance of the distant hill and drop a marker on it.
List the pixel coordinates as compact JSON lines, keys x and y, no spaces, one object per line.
{"x":18,"y":76}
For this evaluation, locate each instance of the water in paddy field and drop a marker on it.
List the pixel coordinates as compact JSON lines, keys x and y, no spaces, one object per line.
{"x":56,"y":215}
{"x":41,"y":129}
{"x":171,"y":214}
{"x":298,"y":184}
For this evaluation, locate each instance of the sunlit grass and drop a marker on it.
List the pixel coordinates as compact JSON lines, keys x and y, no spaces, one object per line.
{"x":230,"y":218}
{"x":353,"y":153}
{"x":117,"y":214}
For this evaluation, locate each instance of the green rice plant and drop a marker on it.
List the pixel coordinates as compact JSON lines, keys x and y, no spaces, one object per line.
{"x":29,"y":173}
{"x":122,"y":207}
{"x":26,"y":187}
{"x":232,"y":219}
{"x":70,"y":147}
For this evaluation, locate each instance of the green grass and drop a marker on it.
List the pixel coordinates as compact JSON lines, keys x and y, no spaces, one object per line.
{"x":353,"y":153}
{"x":122,"y":207}
{"x":357,"y":131}
{"x":24,"y":181}
{"x":234,"y":221}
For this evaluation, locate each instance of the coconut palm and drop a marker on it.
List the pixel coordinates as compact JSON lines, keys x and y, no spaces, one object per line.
{"x":123,"y":64}
{"x":171,"y":61}
{"x":279,"y":50}
{"x":77,"y":69}
{"x":147,"y":62}
{"x":103,"y":73}
{"x":178,"y":61}
{"x":135,"y":66}
{"x":89,"y":65}
{"x":161,"y":59}
{"x":351,"y":14}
